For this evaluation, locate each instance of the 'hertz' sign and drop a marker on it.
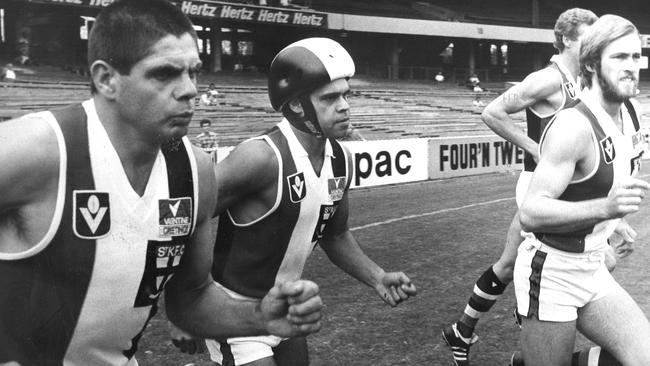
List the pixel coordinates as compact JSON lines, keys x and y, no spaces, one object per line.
{"x":227,"y":11}
{"x":254,"y":14}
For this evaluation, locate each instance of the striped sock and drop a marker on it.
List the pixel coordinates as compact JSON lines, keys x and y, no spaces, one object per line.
{"x":487,"y":290}
{"x":594,"y":356}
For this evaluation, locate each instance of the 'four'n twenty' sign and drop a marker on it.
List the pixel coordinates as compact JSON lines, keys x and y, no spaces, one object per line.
{"x":228,"y":11}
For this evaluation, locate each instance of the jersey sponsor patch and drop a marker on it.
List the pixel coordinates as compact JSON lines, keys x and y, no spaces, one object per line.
{"x":639,"y":146}
{"x":639,"y":142}
{"x":175,"y":216}
{"x":163,"y":258}
{"x":635,"y":165}
{"x":336,"y":188}
{"x":91,"y":217}
{"x":324,"y":217}
{"x":609,"y":152}
{"x":297,"y":187}
{"x":570,"y":89}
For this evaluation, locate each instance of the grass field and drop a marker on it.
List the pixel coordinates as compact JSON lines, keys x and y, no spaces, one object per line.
{"x":443,"y":234}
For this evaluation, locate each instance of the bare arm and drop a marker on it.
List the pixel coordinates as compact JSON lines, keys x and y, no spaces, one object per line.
{"x":195,"y":304}
{"x":343,"y":250}
{"x":535,"y":90}
{"x":29,"y":154}
{"x":249,"y":173}
{"x":29,"y":166}
{"x":567,"y":148}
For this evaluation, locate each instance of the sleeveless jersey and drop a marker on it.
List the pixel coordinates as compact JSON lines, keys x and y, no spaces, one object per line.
{"x":83,"y":295}
{"x":536,"y":123}
{"x":249,"y":258}
{"x":617,"y":157}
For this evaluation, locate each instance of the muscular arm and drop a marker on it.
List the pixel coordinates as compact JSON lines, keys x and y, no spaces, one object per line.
{"x":534,"y":91}
{"x":29,"y":165}
{"x":567,"y":146}
{"x":248,"y":174}
{"x":344,"y":250}
{"x":195,"y":304}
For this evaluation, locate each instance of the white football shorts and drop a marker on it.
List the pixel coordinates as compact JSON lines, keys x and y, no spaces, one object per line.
{"x":552,"y":284}
{"x":242,"y":349}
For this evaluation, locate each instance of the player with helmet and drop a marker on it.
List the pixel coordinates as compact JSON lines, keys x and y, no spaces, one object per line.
{"x":284,"y":192}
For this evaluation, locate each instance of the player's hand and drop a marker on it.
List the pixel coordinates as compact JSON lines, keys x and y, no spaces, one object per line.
{"x":624,"y":198}
{"x":186,"y":342}
{"x":292,"y":309}
{"x":623,"y":239}
{"x":395,"y":287}
{"x":10,"y":363}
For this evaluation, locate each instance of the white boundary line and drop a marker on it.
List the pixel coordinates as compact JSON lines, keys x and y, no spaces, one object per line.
{"x":451,"y":209}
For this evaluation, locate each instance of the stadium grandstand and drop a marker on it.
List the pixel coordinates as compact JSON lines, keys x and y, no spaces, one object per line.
{"x":398,"y":47}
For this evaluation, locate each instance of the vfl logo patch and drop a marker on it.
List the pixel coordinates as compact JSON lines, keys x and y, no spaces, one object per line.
{"x":336,"y":188}
{"x":91,"y":217}
{"x":297,"y":187}
{"x":608,"y":149}
{"x":175,"y":216}
{"x":570,"y":89}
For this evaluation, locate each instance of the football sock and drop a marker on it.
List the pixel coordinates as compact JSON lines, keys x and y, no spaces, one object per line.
{"x":487,"y":290}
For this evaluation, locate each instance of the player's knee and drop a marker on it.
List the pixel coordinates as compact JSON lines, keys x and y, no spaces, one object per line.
{"x":504,"y":269}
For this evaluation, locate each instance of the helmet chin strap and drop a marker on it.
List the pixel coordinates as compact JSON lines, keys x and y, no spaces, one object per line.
{"x":310,"y":124}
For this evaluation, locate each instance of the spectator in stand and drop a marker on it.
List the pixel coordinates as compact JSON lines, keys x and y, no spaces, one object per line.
{"x":207,"y":140}
{"x":22,"y":49}
{"x":447,"y":59}
{"x":477,"y":101}
{"x":210,"y":96}
{"x":8,"y":74}
{"x":474,"y":83}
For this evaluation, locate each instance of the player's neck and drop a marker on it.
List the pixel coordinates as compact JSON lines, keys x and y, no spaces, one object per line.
{"x":314,"y":146}
{"x":567,"y":60}
{"x":611,"y":107}
{"x":122,"y":132}
{"x":137,"y":153}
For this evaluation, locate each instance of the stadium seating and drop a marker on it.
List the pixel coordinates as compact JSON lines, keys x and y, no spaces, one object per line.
{"x":380,"y":109}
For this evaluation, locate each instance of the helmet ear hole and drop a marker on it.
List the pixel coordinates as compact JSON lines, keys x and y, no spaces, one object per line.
{"x":296,"y":107}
